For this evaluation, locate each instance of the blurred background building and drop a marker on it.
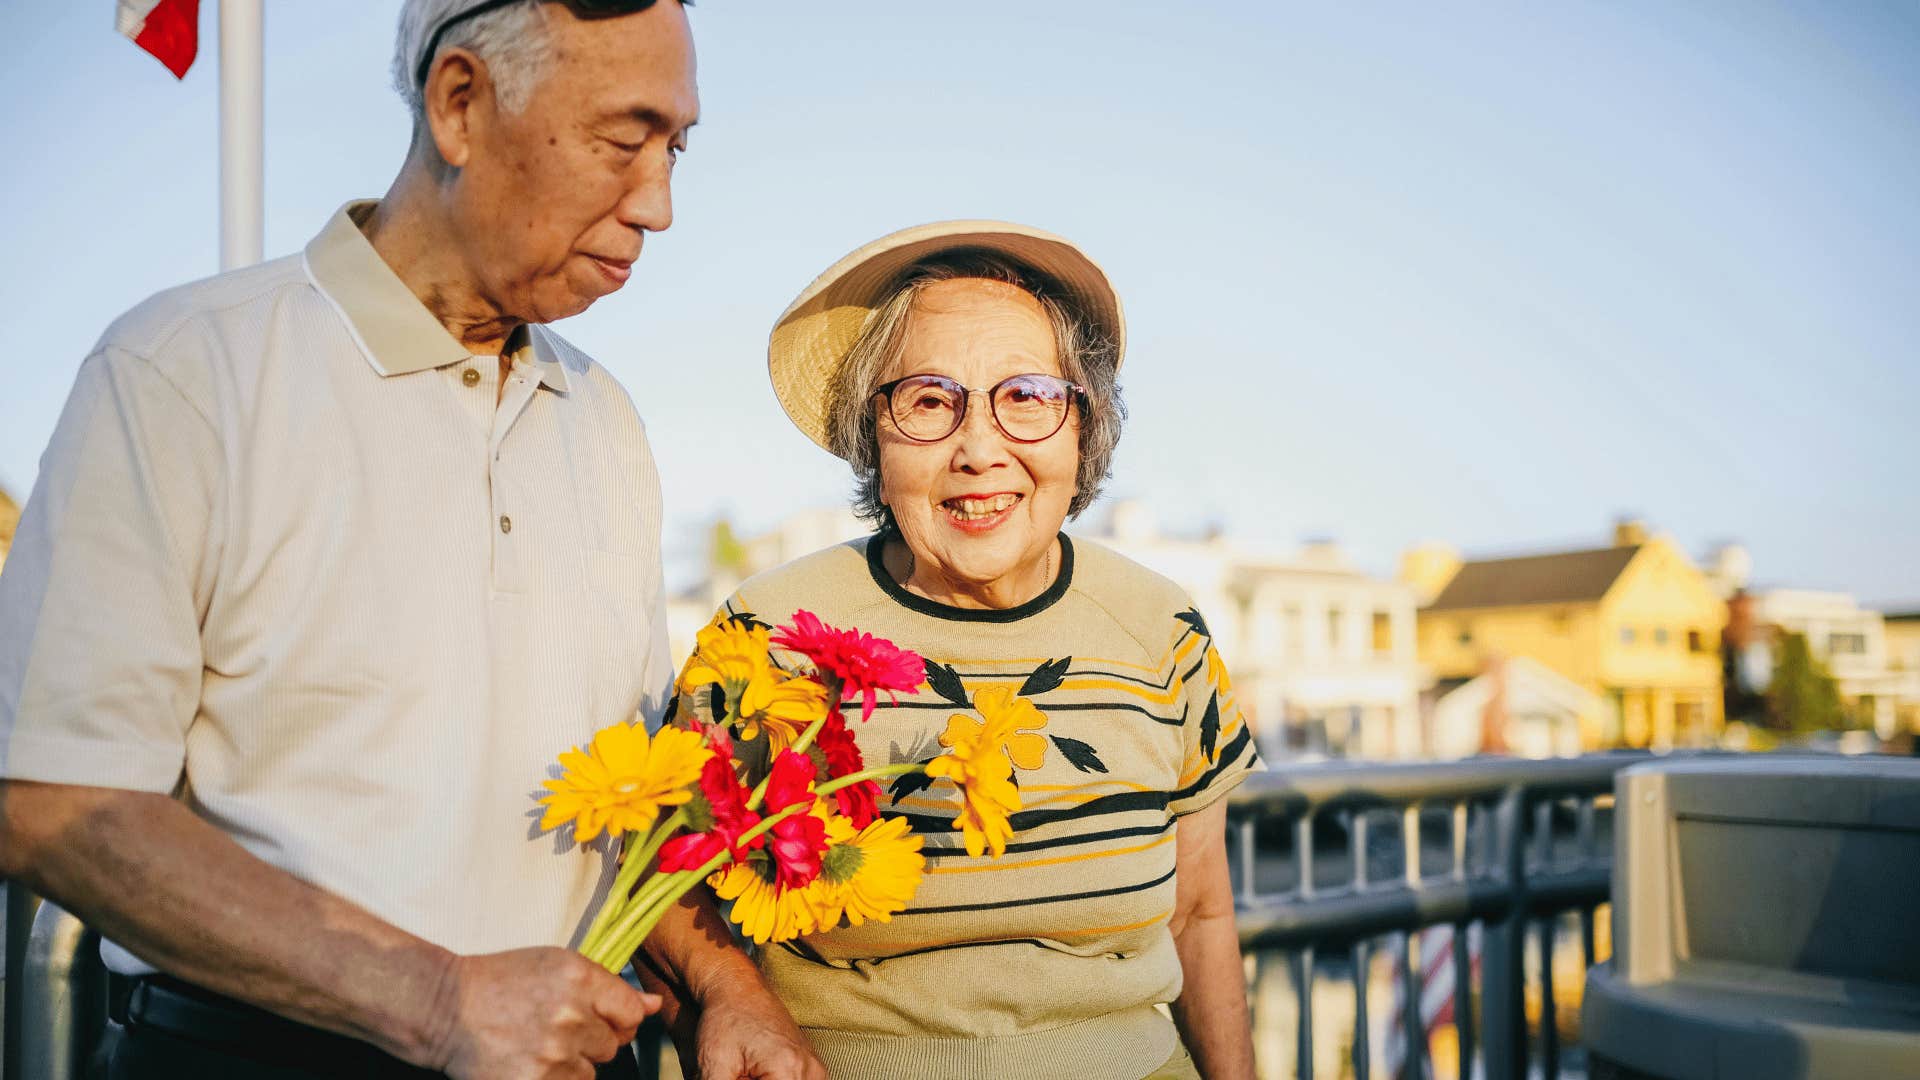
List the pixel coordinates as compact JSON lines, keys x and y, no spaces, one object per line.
{"x":1634,"y":626}
{"x":1550,"y":654}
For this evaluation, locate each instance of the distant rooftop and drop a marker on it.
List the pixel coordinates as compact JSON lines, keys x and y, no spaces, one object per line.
{"x":1559,"y":578}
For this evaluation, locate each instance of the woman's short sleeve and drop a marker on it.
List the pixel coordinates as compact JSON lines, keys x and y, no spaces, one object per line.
{"x":1219,"y":745}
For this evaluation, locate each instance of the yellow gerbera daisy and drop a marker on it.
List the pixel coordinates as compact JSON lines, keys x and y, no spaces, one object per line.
{"x":764,"y":912}
{"x":727,"y":652}
{"x":866,"y":875}
{"x":980,"y":761}
{"x":782,"y":705}
{"x":623,"y":780}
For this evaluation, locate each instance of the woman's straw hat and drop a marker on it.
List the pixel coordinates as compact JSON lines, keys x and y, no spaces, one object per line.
{"x":818,"y":329}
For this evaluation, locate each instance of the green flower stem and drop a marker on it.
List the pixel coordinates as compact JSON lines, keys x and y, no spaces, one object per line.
{"x":800,"y":745}
{"x":805,"y":740}
{"x":630,"y":869}
{"x":665,"y":890}
{"x":631,"y":913}
{"x":878,"y":772}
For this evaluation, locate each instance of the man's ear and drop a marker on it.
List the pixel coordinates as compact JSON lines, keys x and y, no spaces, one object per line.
{"x":458,"y":88}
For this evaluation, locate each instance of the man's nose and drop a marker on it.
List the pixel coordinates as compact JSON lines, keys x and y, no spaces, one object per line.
{"x":648,"y":203}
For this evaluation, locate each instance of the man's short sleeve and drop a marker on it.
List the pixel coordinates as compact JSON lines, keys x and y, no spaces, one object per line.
{"x":1219,"y":744}
{"x":105,"y":587}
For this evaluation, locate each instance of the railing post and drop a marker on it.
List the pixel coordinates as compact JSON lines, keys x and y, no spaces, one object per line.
{"x":63,"y":997}
{"x":1503,"y":964}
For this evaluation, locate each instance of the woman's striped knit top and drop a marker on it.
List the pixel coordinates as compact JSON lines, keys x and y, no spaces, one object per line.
{"x":1047,"y":961}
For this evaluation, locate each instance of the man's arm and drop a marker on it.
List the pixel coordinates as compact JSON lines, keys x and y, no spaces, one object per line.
{"x":180,"y":894}
{"x":740,"y":1028}
{"x":1211,"y":1011}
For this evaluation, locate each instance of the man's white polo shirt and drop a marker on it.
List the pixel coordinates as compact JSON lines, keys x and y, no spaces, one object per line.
{"x":287,"y":559}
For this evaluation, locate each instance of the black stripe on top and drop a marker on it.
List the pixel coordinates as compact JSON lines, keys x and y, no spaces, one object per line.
{"x":876,"y":545}
{"x":1055,"y":842}
{"x":1058,"y":898}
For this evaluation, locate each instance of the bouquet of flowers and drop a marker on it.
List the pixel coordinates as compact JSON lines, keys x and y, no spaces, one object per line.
{"x":792,"y":834}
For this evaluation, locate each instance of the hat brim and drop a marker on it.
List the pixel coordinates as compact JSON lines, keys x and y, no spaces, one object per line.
{"x":817,"y":331}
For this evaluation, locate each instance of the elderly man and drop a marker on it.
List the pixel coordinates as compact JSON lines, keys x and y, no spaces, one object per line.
{"x":328,"y":558}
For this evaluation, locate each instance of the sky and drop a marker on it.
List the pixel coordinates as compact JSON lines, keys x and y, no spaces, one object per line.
{"x":1491,"y":275}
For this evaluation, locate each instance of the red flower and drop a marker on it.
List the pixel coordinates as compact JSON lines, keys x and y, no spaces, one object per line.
{"x":789,"y":781}
{"x":861,"y":801}
{"x":798,"y":843}
{"x":726,"y":800}
{"x":800,"y":839}
{"x":860,"y":663}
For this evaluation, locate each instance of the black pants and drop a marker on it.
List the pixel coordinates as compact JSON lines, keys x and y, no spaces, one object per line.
{"x":173,"y":1029}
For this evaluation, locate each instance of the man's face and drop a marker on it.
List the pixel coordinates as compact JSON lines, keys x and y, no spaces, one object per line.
{"x":553,"y":202}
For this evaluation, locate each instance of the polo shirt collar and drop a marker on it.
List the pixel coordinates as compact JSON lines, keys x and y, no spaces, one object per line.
{"x":394,"y":330}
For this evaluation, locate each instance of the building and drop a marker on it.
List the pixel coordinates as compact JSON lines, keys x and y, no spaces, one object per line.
{"x":1636,"y":624}
{"x":1903,"y":659}
{"x":1322,"y":654}
{"x":1851,"y":642}
{"x":1517,"y":706}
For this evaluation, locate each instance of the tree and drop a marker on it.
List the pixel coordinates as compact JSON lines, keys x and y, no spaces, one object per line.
{"x":1802,"y":695}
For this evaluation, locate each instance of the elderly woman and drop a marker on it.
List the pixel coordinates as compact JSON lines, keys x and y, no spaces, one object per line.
{"x":967,"y":372}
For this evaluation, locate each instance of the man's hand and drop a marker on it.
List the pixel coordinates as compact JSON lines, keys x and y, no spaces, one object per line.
{"x":534,"y":1013}
{"x":746,"y":1034}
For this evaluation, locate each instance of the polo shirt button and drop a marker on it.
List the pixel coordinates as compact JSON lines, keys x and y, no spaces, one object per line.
{"x":470,"y":377}
{"x":506,"y":524}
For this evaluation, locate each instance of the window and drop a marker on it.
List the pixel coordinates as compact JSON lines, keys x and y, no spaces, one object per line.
{"x":1626,"y":635}
{"x":1333,"y":631}
{"x":1466,"y":634}
{"x":1295,"y":643}
{"x":1847,"y":644}
{"x":1660,"y":635}
{"x":1382,"y":633}
{"x":1696,"y":641}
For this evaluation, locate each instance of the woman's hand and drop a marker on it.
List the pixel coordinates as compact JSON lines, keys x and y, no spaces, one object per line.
{"x":1211,"y":1010}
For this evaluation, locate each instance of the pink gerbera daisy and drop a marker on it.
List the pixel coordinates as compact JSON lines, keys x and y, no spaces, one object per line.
{"x":862,"y":665}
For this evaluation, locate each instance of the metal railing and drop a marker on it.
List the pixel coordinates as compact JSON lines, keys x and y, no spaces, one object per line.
{"x":1505,"y":844}
{"x":1517,"y":844}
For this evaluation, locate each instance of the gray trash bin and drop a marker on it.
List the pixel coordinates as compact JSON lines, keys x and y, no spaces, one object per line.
{"x":1766,"y":918}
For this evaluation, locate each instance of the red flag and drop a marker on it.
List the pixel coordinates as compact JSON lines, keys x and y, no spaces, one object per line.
{"x":169,"y":29}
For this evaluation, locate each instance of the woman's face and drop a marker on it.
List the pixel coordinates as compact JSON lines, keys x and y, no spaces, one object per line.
{"x":978,"y":510}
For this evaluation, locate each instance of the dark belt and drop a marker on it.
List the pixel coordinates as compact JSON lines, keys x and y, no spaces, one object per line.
{"x":192,"y":1013}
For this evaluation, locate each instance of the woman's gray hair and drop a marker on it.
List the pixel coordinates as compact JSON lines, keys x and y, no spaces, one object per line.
{"x":1087,"y":357}
{"x":513,"y":40}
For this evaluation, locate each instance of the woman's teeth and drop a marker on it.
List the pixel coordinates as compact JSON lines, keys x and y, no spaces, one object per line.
{"x":969,"y":509}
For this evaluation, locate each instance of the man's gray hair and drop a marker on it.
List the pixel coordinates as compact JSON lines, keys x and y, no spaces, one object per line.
{"x":1086,"y":358}
{"x":513,"y":40}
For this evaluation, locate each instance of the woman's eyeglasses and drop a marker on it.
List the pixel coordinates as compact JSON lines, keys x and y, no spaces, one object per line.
{"x":1026,"y":408}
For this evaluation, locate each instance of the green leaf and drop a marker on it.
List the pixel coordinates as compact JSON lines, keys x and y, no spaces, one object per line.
{"x":946,"y":682}
{"x":1045,"y":677}
{"x":1079,"y":754}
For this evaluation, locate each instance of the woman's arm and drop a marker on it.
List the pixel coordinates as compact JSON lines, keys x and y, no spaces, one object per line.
{"x":1211,"y":1010}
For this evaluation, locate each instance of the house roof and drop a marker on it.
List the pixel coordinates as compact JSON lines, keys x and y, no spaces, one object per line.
{"x":1560,"y":578}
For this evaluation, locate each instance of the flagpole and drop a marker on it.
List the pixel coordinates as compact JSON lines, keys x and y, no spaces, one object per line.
{"x":242,"y":131}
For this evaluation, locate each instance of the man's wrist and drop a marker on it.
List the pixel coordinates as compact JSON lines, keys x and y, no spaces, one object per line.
{"x":423,"y":1035}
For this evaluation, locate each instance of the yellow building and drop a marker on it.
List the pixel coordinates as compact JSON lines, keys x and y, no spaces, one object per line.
{"x":1636,"y":623}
